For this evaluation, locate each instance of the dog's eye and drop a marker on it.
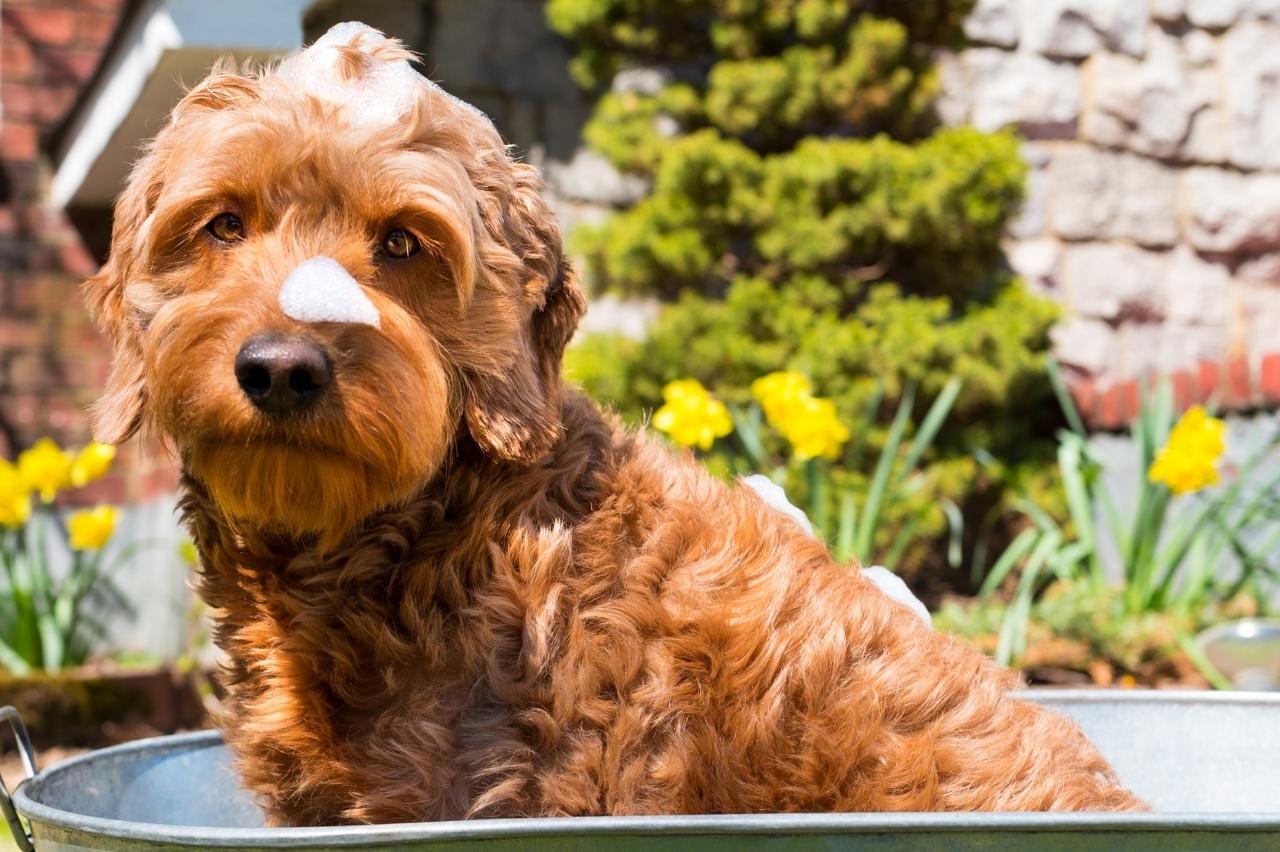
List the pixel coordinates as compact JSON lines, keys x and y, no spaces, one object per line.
{"x":400,"y":243}
{"x":226,"y":227}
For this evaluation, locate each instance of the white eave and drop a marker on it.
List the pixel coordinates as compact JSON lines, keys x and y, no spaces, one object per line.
{"x":169,"y":45}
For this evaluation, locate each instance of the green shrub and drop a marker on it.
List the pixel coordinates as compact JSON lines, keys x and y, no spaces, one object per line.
{"x":805,"y":215}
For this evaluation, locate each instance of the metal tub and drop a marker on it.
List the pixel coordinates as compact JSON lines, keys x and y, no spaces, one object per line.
{"x":1208,"y":763}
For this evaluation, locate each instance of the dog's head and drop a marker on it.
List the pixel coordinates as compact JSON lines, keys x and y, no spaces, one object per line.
{"x":320,"y":277}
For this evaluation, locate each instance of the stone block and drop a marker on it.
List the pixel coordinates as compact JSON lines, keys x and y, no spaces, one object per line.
{"x":1039,"y":96}
{"x":1198,"y":291}
{"x":1038,"y":261}
{"x":1260,"y":317}
{"x":1261,"y":268}
{"x":1083,"y":344}
{"x":1160,"y":348}
{"x":1114,"y":282}
{"x":1168,"y":11}
{"x":1076,"y":29}
{"x":1165,"y":105}
{"x":642,"y":81}
{"x":993,"y":22}
{"x":955,"y":98}
{"x":590,"y":177}
{"x":1220,"y":14}
{"x":1033,"y":215}
{"x":1231,"y":212}
{"x":1100,"y":194}
{"x":1251,"y":67}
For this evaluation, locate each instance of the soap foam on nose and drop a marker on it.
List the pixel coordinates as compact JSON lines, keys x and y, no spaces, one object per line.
{"x":378,"y":96}
{"x":321,"y":290}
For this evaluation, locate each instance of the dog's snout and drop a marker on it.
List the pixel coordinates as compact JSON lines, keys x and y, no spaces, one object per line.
{"x":282,"y":375}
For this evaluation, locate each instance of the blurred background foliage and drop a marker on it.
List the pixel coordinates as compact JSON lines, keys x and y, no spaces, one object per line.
{"x":807,"y":213}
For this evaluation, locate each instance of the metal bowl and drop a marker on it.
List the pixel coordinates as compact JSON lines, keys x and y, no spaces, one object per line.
{"x":1247,"y":652}
{"x":1208,"y":763}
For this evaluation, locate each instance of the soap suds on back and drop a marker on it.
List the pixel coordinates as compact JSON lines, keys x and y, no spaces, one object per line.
{"x":321,"y":290}
{"x":887,"y":581}
{"x":377,"y":94}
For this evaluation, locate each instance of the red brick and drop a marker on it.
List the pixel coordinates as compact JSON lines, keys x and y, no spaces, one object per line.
{"x":76,"y":259}
{"x":1130,"y":401}
{"x":45,"y":26}
{"x":74,"y":65}
{"x":52,"y":102}
{"x":1239,"y":386}
{"x":1084,"y":392}
{"x":28,"y":370}
{"x":20,"y":334}
{"x":112,"y":488}
{"x":19,"y":101}
{"x":1209,"y":384}
{"x":95,"y":28}
{"x":18,"y":141}
{"x":1109,"y":408}
{"x":96,"y":5}
{"x":1184,"y":390}
{"x":17,"y":61}
{"x":1270,"y":380}
{"x":157,"y":483}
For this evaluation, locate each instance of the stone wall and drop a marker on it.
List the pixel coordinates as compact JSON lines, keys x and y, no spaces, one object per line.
{"x":1153,"y":214}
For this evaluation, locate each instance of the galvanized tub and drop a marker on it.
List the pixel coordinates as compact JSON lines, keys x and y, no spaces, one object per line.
{"x":1209,"y":764}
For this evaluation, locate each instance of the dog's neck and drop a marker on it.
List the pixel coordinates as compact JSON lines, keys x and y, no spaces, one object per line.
{"x":473,"y":503}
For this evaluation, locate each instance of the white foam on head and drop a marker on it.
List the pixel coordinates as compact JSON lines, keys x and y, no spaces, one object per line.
{"x":885,"y":580}
{"x":382,"y":93}
{"x":321,"y":290}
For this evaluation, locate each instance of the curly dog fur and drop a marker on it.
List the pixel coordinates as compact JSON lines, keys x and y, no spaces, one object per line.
{"x":454,"y":588}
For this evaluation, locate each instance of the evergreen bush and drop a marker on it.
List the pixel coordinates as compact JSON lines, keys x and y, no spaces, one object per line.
{"x":806,"y":214}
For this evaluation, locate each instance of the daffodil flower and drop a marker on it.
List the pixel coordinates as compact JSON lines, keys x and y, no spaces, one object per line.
{"x":91,"y":463}
{"x":90,"y":529}
{"x":15,"y":496}
{"x":691,"y":416}
{"x":1188,"y":461}
{"x":809,"y":423}
{"x":45,"y":468}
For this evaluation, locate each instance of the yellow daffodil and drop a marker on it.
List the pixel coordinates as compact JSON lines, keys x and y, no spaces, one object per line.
{"x":90,"y":529}
{"x":809,"y":423}
{"x":691,"y":416}
{"x":813,"y":429}
{"x":91,"y":463}
{"x":1188,"y":462}
{"x":15,"y":496}
{"x":778,"y":392}
{"x":45,"y":468}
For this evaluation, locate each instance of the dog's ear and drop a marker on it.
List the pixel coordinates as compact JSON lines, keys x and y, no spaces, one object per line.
{"x":513,"y":411}
{"x":118,"y":413}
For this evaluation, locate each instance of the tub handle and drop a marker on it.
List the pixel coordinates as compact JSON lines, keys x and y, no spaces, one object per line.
{"x":28,"y":755}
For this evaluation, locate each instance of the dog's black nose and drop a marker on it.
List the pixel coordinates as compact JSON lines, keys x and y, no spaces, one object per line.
{"x":282,"y":375}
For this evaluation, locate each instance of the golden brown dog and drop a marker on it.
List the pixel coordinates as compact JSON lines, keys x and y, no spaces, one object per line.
{"x":447,"y":586}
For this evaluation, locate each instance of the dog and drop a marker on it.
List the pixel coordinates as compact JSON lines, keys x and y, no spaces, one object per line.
{"x":447,"y":585}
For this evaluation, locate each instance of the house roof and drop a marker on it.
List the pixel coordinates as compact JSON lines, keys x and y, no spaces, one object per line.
{"x":160,"y":48}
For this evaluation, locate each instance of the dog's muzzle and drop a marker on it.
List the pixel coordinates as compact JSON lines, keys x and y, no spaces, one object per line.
{"x":282,"y":375}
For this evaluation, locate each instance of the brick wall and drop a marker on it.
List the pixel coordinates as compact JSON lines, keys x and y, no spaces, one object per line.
{"x":1153,"y":213}
{"x":51,"y":359}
